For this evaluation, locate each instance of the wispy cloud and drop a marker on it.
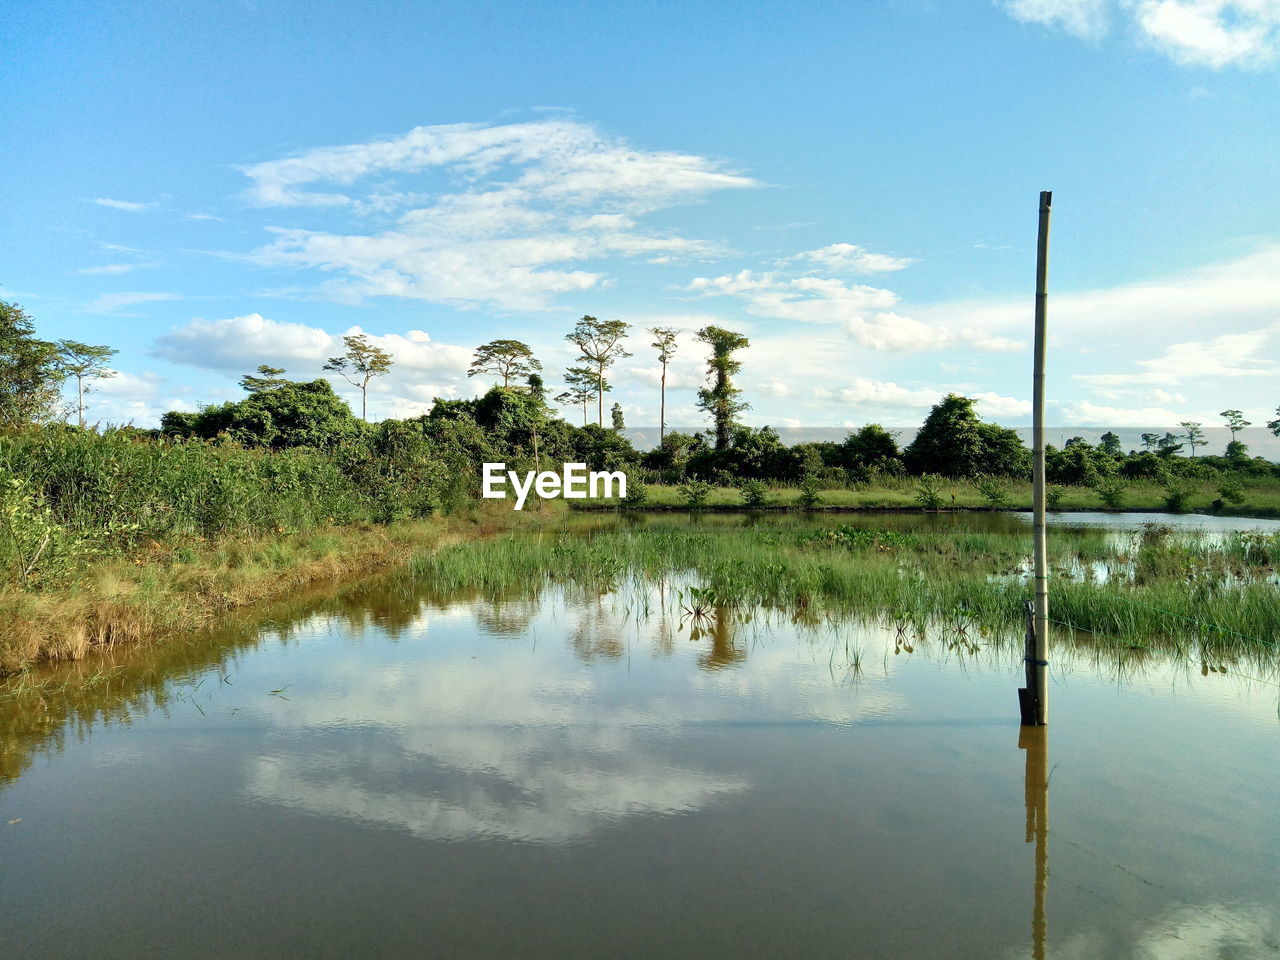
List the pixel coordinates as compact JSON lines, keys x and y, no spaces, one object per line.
{"x":113,"y":302}
{"x":509,"y":216}
{"x":1231,"y":355}
{"x":128,"y":205}
{"x":1203,"y":33}
{"x":115,"y":268}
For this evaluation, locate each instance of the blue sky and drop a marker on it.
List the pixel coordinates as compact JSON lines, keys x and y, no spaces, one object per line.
{"x":210,"y":186}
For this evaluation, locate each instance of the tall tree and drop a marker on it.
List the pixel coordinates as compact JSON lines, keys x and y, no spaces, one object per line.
{"x":1150,"y":440}
{"x":1235,"y":422}
{"x":31,"y":375}
{"x":619,"y":423}
{"x":721,"y":399}
{"x":1110,"y":444}
{"x":664,"y":340}
{"x":582,"y":387}
{"x":1194,"y":435}
{"x":268,"y":378}
{"x":361,"y":363}
{"x":85,"y":362}
{"x":505,"y":359}
{"x":600,"y":344}
{"x":1274,"y":425}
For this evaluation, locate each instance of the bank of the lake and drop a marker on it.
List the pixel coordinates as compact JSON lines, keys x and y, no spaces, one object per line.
{"x":159,"y":590}
{"x":1258,"y":497}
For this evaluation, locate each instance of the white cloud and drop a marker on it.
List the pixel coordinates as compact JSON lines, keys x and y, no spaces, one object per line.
{"x":1231,"y":355}
{"x":423,"y":368}
{"x":1087,"y":19}
{"x":112,"y":302}
{"x":114,"y":268}
{"x":1204,"y":33}
{"x":515,"y":214}
{"x":1211,"y":33}
{"x":127,"y":205}
{"x":851,"y":258}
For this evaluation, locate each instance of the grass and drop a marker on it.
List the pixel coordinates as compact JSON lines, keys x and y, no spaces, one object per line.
{"x":1155,"y":587}
{"x":163,"y":589}
{"x":1261,"y":497}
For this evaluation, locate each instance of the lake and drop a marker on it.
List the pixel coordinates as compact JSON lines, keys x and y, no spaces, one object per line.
{"x":392,"y":771}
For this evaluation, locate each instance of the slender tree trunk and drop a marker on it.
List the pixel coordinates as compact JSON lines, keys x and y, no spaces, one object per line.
{"x":364,"y":401}
{"x":80,"y":391}
{"x":600,"y":396}
{"x":662,"y":407}
{"x":584,"y":409}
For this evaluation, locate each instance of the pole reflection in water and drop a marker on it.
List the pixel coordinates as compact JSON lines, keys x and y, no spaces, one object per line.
{"x":1035,"y":785}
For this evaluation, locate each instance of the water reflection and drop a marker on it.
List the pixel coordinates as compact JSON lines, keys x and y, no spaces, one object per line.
{"x":1035,"y":786}
{"x":630,"y":763}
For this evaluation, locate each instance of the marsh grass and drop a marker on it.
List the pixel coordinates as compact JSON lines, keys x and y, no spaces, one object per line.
{"x":1155,"y":587}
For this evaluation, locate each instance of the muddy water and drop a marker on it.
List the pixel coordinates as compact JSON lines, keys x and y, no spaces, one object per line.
{"x":398,"y":773}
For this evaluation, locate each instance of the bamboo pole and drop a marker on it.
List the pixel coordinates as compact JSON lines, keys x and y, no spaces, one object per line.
{"x":1037,"y":666}
{"x":1035,"y":785}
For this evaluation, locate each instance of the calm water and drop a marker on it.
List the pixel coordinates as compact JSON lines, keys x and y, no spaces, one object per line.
{"x":398,"y":773}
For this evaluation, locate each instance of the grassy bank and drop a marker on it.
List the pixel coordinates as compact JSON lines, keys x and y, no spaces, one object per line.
{"x":158,"y":589}
{"x":1155,"y":587}
{"x":1260,"y":497}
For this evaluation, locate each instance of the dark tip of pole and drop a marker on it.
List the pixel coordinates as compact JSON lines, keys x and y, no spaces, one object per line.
{"x":1046,"y":198}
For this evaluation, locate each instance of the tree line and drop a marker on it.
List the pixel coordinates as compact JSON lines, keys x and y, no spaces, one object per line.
{"x":514,"y":420}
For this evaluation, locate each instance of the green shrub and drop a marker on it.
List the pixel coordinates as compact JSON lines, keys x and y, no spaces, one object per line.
{"x":695,"y":492}
{"x":929,"y":492}
{"x":1177,"y":495}
{"x":34,"y":547}
{"x":994,"y":492}
{"x":809,"y":492}
{"x":1112,"y":490}
{"x":754,"y":493}
{"x":1053,"y":497}
{"x":1231,"y":490}
{"x":637,"y":493}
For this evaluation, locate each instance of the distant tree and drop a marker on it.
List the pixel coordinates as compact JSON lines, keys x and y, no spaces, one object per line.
{"x":31,"y":375}
{"x":949,"y":442}
{"x":1274,"y":425}
{"x":1110,"y":444}
{"x":872,"y":445}
{"x":504,"y":358}
{"x":291,"y":415}
{"x":268,"y":378}
{"x":599,"y":343}
{"x":1235,"y":421}
{"x":721,"y":398}
{"x":361,"y":363}
{"x":665,"y":343}
{"x":86,"y":363}
{"x":582,"y":386}
{"x":1168,"y":445}
{"x":616,"y":413}
{"x":1150,"y":440}
{"x":1237,"y":450}
{"x":1194,"y":435}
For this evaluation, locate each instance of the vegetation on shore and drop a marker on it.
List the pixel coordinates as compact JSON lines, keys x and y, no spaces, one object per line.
{"x":1157,"y":586}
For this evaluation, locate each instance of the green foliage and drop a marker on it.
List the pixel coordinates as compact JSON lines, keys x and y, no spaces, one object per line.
{"x":507,"y":359}
{"x":599,"y":344}
{"x":1231,"y":490}
{"x":721,"y":399}
{"x":1053,"y":497}
{"x":361,"y":363}
{"x":637,"y":493}
{"x":809,"y":492}
{"x":953,"y":442}
{"x":31,"y":374}
{"x":695,"y":492}
{"x":615,"y":413}
{"x":1112,"y":490}
{"x":267,"y":378}
{"x":994,"y":491}
{"x":35,"y":549}
{"x":1177,"y":496}
{"x":754,"y":494}
{"x":287,"y":415}
{"x":928,"y":492}
{"x":871,"y":447}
